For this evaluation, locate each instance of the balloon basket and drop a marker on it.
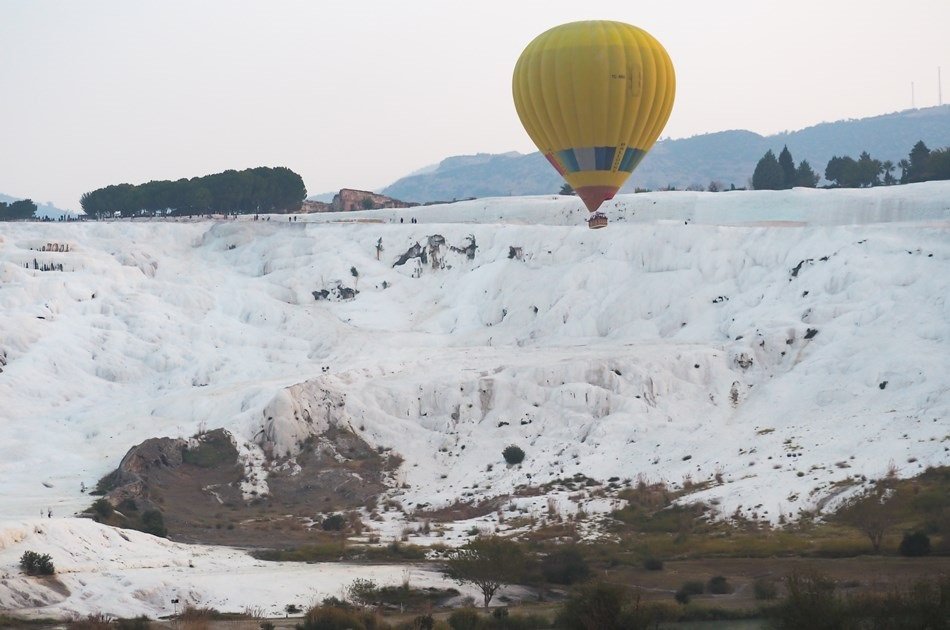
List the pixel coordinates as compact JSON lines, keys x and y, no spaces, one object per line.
{"x":597,"y":221}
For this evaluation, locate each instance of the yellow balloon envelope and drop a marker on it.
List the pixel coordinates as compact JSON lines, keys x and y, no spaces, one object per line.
{"x":594,"y":97}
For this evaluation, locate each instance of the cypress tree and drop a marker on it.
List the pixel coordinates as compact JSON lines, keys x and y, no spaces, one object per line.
{"x":939,"y":163}
{"x":918,"y":164}
{"x":768,"y":174}
{"x":805,"y":176}
{"x":788,"y":167}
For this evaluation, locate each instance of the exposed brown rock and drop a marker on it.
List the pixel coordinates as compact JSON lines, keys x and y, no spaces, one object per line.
{"x":196,"y":485}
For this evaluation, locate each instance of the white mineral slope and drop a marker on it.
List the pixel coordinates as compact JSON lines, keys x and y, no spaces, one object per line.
{"x":126,"y":573}
{"x":918,"y":202}
{"x":586,"y":347}
{"x":787,"y":341}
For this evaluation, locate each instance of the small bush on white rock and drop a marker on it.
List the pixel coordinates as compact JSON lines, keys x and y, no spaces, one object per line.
{"x":33,"y":563}
{"x":513,"y":454}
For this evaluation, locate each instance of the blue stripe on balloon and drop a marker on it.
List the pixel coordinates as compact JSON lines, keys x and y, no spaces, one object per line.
{"x":604,"y":157}
{"x":568,"y":160}
{"x":600,"y":158}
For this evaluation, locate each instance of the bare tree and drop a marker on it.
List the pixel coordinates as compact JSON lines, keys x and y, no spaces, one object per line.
{"x":487,"y":562}
{"x":874,"y":514}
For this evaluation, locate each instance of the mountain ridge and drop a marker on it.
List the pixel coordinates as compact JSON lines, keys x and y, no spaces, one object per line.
{"x":727,"y":157}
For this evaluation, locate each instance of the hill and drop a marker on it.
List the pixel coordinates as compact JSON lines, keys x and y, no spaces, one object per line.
{"x":769,"y":353}
{"x":728,"y":157}
{"x":167,"y":327}
{"x":43,"y":210}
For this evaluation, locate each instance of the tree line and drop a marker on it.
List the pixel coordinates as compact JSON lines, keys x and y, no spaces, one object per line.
{"x":17,"y":210}
{"x":779,"y":174}
{"x":921,"y":165}
{"x":253,"y":190}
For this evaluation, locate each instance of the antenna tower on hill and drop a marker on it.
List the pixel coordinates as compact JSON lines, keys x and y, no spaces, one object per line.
{"x":913,"y":103}
{"x":939,"y":88}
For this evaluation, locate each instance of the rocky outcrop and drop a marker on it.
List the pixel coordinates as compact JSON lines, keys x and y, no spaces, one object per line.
{"x":416,"y":251}
{"x":129,"y":481}
{"x":435,"y":244}
{"x":197,"y":487}
{"x":338,"y":293}
{"x":468,"y":248}
{"x":149,"y":469}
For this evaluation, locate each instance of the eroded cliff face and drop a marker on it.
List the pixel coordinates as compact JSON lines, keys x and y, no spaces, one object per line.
{"x":198,"y":486}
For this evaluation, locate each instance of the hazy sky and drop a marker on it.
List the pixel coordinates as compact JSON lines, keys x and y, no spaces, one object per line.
{"x":357,"y":94}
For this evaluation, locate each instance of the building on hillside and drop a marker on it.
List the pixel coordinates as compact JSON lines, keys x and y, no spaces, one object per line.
{"x":350,"y":199}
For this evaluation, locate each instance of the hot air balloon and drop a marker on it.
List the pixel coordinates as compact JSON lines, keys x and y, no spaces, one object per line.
{"x":594,"y":97}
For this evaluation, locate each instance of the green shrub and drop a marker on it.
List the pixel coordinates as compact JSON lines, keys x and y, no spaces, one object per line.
{"x":606,"y":607}
{"x":154,"y":523}
{"x":765,"y":588}
{"x":395,"y":551}
{"x":811,"y":603}
{"x":915,"y":544}
{"x":33,"y":563}
{"x":653,"y":564}
{"x":924,"y":604}
{"x":513,"y":454}
{"x":137,"y":623}
{"x":333,"y":523}
{"x":213,"y":449}
{"x":597,"y":605}
{"x":718,"y":585}
{"x":199,"y":617}
{"x":503,"y":621}
{"x":102,"y":508}
{"x":565,"y":565}
{"x":331,"y":618}
{"x":524,"y":622}
{"x":423,"y":622}
{"x":647,"y":518}
{"x":464,"y":619}
{"x":333,"y":552}
{"x":687,"y":590}
{"x":92,"y":621}
{"x":363,"y":592}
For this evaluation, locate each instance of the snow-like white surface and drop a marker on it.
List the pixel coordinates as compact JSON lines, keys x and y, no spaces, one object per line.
{"x":612,"y":353}
{"x":127,"y":573}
